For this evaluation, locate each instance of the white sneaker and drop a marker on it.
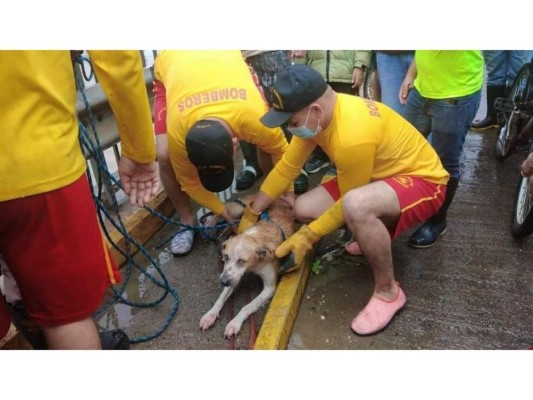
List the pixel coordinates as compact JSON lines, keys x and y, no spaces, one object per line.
{"x":182,"y":243}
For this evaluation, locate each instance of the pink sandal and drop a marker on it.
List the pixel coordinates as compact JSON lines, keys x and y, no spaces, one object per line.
{"x":353,"y":248}
{"x":378,"y":313}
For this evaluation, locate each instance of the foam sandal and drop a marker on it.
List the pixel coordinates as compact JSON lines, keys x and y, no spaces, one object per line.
{"x":378,"y":313}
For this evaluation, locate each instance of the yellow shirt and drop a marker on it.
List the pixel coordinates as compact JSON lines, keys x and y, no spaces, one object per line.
{"x":201,"y":84}
{"x":39,"y":147}
{"x":367,"y":141}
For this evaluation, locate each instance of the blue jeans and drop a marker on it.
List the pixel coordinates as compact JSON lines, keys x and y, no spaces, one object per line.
{"x":391,"y":72}
{"x":447,"y":120}
{"x":503,"y":65}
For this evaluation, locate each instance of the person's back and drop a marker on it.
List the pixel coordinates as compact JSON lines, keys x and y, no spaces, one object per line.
{"x":43,"y":97}
{"x":209,"y":83}
{"x":214,"y":89}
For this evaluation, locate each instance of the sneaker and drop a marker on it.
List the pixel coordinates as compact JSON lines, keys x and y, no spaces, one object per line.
{"x":315,"y":164}
{"x":247,"y":177}
{"x":301,"y":183}
{"x":182,"y":243}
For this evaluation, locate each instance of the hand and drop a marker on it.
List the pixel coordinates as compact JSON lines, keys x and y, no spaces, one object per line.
{"x":404,"y":91}
{"x":299,"y":243}
{"x":140,"y":181}
{"x":248,"y":219}
{"x":357,"y":77}
{"x":297,"y":54}
{"x":229,"y":219}
{"x":527,"y":171}
{"x":289,"y":198}
{"x":527,"y":166}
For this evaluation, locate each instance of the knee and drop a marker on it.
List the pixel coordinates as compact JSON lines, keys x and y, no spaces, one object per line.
{"x":305,"y":210}
{"x":353,"y":207}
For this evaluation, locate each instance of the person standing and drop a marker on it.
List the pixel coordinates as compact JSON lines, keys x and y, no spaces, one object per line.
{"x":266,"y":65}
{"x":49,"y":232}
{"x":502,"y":67}
{"x":392,"y":66}
{"x":441,"y":93}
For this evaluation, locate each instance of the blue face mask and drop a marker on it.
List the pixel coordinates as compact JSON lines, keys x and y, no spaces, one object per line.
{"x":303,"y":131}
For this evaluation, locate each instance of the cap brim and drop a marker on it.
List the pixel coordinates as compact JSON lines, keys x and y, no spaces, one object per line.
{"x":275,"y":118}
{"x":217,"y":182}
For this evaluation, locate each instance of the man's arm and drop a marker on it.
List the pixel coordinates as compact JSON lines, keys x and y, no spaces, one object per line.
{"x":121,"y":75}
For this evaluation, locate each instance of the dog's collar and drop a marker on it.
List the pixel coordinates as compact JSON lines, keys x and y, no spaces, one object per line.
{"x":284,"y":262}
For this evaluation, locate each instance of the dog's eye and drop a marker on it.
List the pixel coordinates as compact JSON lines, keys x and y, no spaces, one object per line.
{"x":241,"y":261}
{"x":225,"y":257}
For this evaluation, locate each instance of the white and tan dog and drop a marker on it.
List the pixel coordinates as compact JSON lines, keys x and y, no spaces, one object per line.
{"x":252,"y":251}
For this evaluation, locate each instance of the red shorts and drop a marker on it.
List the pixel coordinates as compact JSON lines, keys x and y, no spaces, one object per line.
{"x":5,"y":319}
{"x":54,"y":248}
{"x":419,"y":199}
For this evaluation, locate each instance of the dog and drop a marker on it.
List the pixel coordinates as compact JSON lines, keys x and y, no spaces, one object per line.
{"x":252,"y":251}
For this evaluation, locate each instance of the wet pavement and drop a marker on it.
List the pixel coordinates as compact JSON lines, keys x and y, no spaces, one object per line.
{"x":472,"y":290}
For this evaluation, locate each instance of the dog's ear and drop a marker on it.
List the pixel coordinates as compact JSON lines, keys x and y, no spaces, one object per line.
{"x":225,"y":244}
{"x":263,"y":251}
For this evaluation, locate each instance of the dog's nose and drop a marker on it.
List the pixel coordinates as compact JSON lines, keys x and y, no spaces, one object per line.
{"x":224,"y":281}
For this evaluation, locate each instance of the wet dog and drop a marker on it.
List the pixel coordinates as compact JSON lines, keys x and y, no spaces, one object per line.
{"x":252,"y":251}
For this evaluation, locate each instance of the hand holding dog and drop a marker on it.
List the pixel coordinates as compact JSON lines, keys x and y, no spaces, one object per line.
{"x":300,"y":244}
{"x":248,"y":219}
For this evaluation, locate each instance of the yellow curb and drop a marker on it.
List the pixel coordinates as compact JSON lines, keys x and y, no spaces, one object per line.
{"x":279,"y":320}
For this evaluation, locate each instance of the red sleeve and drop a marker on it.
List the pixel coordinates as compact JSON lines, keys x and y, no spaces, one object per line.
{"x":160,"y":108}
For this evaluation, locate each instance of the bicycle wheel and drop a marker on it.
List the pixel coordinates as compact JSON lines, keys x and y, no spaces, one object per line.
{"x":371,"y":88}
{"x":506,"y":141}
{"x":522,"y":223}
{"x":519,"y":93}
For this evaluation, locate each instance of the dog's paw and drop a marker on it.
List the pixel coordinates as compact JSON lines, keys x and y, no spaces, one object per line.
{"x":232,"y":329}
{"x":207,"y":321}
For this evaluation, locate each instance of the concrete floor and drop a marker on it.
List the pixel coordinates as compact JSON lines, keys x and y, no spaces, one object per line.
{"x":473,"y":290}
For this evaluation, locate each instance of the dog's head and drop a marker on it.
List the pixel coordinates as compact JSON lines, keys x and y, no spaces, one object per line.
{"x":241,"y":253}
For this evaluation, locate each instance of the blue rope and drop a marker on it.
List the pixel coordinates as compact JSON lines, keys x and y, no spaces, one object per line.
{"x":92,"y":147}
{"x":91,"y":144}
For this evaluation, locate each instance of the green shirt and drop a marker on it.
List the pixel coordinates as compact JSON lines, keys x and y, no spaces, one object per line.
{"x":443,"y":74}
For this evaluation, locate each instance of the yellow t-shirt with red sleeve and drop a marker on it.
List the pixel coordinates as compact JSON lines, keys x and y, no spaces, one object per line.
{"x":367,"y":141}
{"x":39,"y":146}
{"x":202,"y":84}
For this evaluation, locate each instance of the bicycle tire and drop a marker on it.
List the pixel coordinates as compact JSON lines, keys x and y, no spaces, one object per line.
{"x":507,"y":137}
{"x":522,"y":220}
{"x":508,"y":134}
{"x":371,"y":88}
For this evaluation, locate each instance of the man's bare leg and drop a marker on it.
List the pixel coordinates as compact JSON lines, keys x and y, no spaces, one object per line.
{"x":81,"y":335}
{"x":368,"y":211}
{"x":365,"y":210}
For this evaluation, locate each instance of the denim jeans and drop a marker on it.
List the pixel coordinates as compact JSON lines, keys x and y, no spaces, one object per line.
{"x":447,"y":120}
{"x":391,"y":72}
{"x":503,"y":65}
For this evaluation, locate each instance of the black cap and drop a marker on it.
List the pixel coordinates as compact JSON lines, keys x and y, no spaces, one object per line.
{"x":210,"y":149}
{"x":297,"y":86}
